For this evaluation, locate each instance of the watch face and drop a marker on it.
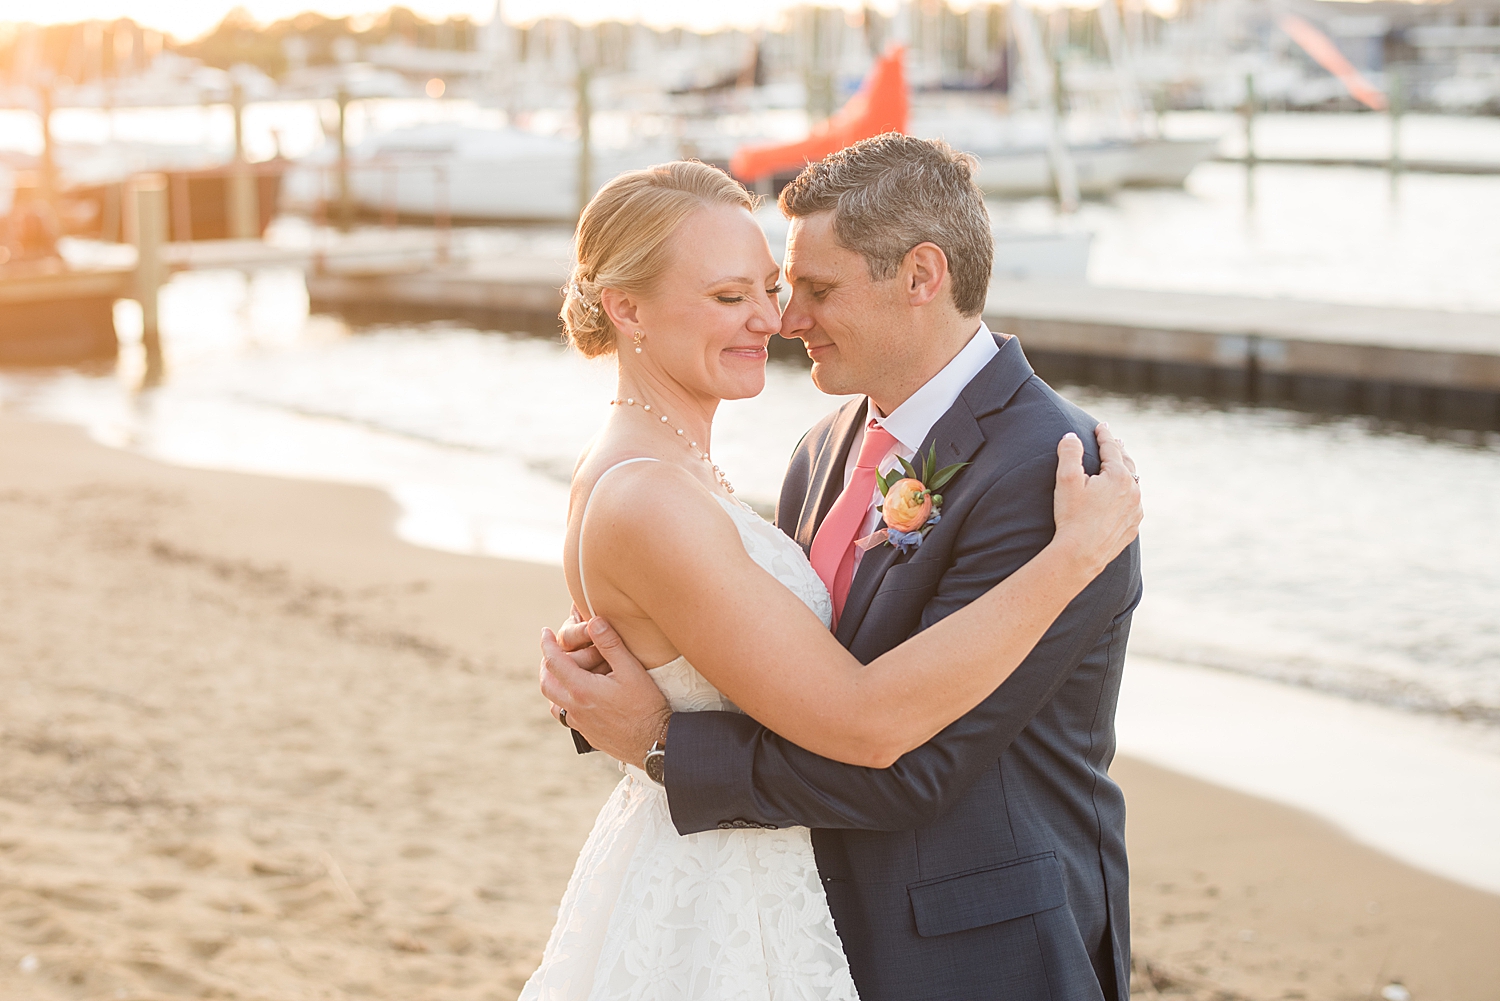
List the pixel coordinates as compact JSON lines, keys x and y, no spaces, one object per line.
{"x":656,"y":762}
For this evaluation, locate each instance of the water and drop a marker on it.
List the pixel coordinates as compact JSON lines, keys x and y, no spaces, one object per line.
{"x":1327,"y":234}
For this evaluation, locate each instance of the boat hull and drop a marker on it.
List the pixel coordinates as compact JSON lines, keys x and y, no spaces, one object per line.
{"x":1101,"y":170}
{"x":1166,"y":163}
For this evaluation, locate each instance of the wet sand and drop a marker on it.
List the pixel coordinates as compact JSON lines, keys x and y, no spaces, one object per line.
{"x":254,"y":746}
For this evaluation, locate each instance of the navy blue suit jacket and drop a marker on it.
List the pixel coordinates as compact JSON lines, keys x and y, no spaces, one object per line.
{"x":989,"y":862}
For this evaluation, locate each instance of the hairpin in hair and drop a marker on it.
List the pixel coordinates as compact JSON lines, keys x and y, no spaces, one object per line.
{"x":575,"y":289}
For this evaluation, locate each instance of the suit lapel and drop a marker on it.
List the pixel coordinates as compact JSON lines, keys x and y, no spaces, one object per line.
{"x":957,"y":436}
{"x":826,"y":481}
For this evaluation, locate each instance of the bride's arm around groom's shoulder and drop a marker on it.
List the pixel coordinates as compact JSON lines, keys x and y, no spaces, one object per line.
{"x":667,"y":560}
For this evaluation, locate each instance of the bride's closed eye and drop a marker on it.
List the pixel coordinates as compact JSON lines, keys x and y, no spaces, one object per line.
{"x":730,"y":300}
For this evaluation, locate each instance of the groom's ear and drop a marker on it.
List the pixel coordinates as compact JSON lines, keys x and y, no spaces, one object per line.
{"x":622,"y":309}
{"x":924,"y":271}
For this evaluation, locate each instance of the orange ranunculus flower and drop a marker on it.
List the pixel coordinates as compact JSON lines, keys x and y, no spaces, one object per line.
{"x":907,"y":505}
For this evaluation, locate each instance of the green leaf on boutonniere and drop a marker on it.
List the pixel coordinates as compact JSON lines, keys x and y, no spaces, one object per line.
{"x":911,"y":470}
{"x":885,"y":485}
{"x":942,"y":476}
{"x":930,"y":464}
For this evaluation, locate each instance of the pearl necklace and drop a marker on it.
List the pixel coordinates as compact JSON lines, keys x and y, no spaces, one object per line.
{"x":631,"y":401}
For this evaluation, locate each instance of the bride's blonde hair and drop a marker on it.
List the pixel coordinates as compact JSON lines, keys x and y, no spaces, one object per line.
{"x":621,"y":240}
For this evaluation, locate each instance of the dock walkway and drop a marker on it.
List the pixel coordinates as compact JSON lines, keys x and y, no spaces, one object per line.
{"x":1415,"y":363}
{"x":1409,"y":363}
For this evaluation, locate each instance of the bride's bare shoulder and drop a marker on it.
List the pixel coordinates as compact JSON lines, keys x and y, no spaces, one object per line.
{"x":646,"y":505}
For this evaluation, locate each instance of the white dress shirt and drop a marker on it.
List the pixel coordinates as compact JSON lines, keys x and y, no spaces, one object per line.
{"x":910,"y":423}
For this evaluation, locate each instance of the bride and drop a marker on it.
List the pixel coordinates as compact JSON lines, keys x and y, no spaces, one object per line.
{"x":675,"y":278}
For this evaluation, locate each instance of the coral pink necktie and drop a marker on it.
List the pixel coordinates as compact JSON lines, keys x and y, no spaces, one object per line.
{"x":833,"y":547}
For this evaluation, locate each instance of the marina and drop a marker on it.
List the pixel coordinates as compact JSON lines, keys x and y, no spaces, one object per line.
{"x":300,"y":279}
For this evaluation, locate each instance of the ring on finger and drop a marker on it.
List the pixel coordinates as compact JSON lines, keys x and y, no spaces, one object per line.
{"x":562,"y":717}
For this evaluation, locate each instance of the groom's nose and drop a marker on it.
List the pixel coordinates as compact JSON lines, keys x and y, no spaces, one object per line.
{"x":795,"y":319}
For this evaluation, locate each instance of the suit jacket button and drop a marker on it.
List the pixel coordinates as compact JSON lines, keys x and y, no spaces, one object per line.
{"x":769,"y":827}
{"x":725,"y":825}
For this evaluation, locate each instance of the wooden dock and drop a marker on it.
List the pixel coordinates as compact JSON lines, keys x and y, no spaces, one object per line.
{"x":1411,"y":364}
{"x":521,"y":293}
{"x":61,"y":317}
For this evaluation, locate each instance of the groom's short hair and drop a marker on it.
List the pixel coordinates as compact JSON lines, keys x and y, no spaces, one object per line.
{"x":892,"y":192}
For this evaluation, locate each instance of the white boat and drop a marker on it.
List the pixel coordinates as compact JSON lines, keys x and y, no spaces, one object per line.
{"x":1162,"y":162}
{"x":1018,"y":173}
{"x":463,"y":172}
{"x":1014,"y":160}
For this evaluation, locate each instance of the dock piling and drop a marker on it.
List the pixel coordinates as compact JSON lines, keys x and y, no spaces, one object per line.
{"x":346,"y":196}
{"x":585,"y":128}
{"x":1250,"y":120}
{"x":1397,"y":102}
{"x":244,"y":213}
{"x":149,"y":195}
{"x":47,"y":172}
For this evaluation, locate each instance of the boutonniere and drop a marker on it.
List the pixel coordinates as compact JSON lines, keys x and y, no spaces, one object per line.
{"x":912,"y":502}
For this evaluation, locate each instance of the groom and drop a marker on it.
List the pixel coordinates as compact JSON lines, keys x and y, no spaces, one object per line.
{"x":988,"y":863}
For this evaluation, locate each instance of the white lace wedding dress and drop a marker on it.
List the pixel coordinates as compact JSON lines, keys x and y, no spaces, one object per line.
{"x":725,"y":915}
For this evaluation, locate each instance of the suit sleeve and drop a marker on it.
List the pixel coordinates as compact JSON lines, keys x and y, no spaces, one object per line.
{"x":722,"y":767}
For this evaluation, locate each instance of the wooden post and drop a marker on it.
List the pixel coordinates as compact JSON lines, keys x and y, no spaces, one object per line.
{"x":47,"y":172}
{"x":585,"y":124}
{"x":346,"y":197}
{"x":149,"y":196}
{"x":1397,"y":100}
{"x":112,"y":223}
{"x":443,"y":213}
{"x":244,"y":213}
{"x":1249,"y":120}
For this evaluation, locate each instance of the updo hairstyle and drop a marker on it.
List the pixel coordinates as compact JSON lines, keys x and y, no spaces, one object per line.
{"x":621,"y":240}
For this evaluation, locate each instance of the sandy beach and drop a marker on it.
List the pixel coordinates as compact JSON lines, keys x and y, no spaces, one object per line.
{"x":254,"y":746}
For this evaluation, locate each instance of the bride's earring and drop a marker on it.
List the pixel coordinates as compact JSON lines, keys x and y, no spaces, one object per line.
{"x":637,"y":339}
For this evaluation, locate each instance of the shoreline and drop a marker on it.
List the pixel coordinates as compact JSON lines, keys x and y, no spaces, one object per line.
{"x":257,"y":743}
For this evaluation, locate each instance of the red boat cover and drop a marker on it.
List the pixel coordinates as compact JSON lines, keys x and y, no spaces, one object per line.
{"x":880,"y":105}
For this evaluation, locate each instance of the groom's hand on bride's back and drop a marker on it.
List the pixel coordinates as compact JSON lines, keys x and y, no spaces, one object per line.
{"x":616,"y":706}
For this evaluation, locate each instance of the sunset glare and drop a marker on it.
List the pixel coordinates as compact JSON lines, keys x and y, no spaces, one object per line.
{"x":189,"y":20}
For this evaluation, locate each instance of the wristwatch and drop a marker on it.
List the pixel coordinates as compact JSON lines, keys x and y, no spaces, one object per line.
{"x":656,"y":762}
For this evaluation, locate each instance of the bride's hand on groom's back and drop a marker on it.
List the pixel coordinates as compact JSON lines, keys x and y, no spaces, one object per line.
{"x":573,"y":636}
{"x":1096,"y":516}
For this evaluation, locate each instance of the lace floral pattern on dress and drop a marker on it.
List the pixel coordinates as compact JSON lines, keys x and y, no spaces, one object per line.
{"x":728,"y":915}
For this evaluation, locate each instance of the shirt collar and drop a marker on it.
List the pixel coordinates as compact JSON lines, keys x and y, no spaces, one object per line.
{"x":913,"y":419}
